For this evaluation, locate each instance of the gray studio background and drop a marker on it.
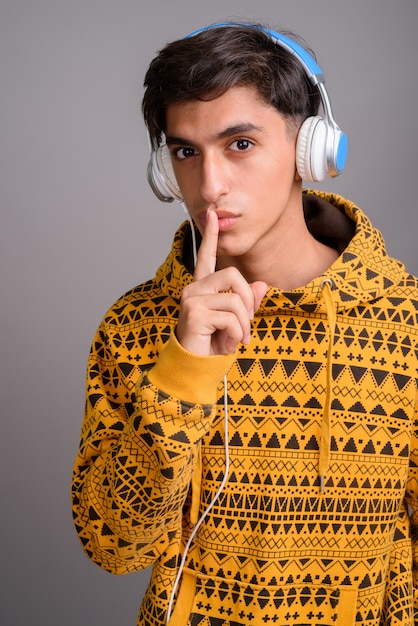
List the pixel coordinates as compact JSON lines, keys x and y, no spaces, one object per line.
{"x":79,"y":226}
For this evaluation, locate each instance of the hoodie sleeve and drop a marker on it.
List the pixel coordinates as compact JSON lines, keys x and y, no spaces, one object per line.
{"x":136,"y":459}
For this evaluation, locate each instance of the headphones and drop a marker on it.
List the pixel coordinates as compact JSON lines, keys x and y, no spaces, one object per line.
{"x":321,"y":147}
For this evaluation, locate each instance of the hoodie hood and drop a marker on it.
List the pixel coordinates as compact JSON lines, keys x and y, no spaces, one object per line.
{"x":362,"y":273}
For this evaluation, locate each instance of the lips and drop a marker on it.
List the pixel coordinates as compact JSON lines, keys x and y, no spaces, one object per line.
{"x":226,"y":219}
{"x":227,"y":222}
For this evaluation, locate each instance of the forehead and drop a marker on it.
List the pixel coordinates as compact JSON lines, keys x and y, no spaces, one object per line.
{"x":238,"y":106}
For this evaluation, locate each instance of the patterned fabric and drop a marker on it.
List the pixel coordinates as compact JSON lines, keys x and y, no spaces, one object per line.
{"x":330,"y":378}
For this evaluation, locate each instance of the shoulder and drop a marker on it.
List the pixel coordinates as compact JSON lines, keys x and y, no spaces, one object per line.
{"x":141,"y":302}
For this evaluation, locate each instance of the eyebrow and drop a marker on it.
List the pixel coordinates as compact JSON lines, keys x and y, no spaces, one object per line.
{"x":230,"y":131}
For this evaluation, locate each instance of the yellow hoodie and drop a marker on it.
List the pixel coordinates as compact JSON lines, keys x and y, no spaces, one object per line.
{"x":295,"y":459}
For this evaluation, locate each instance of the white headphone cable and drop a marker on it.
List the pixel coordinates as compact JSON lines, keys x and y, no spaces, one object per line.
{"x":208,"y":508}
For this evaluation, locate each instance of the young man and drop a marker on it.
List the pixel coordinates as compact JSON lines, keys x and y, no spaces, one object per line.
{"x":250,"y":414}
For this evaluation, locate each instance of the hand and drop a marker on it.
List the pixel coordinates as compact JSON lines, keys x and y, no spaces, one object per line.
{"x":217,"y":307}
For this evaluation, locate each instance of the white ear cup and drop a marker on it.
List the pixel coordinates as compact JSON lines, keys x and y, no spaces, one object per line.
{"x":161,"y":175}
{"x":311,"y":149}
{"x":166,"y":167}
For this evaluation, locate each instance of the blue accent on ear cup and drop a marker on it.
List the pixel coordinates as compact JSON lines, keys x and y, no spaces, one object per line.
{"x":342,"y":150}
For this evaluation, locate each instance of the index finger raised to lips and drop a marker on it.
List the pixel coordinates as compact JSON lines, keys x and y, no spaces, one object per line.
{"x":206,"y":257}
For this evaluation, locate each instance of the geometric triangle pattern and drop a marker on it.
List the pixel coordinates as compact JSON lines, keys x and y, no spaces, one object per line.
{"x":274,"y":548}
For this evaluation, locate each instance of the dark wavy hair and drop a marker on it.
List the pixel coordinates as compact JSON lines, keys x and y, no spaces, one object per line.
{"x":206,"y":65}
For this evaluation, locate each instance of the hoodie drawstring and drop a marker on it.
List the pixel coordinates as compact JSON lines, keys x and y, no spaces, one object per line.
{"x":325,"y":443}
{"x":196,"y":489}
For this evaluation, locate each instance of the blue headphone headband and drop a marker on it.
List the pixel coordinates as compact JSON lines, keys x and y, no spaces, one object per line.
{"x":311,"y":66}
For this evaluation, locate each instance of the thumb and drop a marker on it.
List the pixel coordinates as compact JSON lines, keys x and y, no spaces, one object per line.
{"x":259,"y":290}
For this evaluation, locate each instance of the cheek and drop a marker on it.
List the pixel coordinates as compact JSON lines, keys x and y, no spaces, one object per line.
{"x":188,"y":179}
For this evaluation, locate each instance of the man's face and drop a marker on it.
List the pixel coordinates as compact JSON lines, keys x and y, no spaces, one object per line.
{"x":236,"y":155}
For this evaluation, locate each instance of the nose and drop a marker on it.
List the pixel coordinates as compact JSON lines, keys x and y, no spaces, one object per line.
{"x":213,"y":178}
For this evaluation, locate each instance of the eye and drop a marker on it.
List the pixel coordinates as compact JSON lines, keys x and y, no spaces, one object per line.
{"x":241,"y":144}
{"x":183,"y":153}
